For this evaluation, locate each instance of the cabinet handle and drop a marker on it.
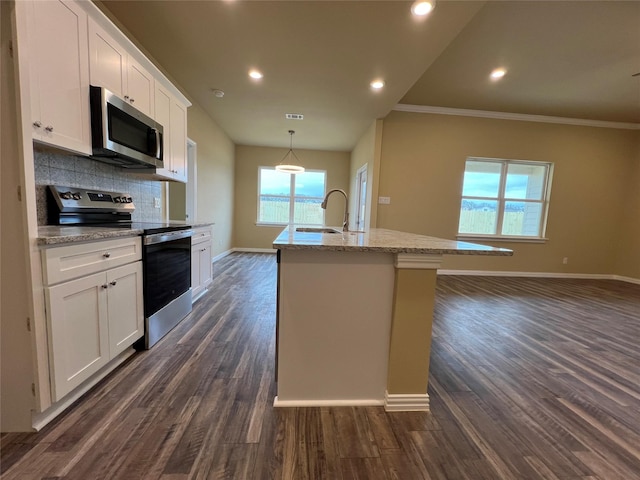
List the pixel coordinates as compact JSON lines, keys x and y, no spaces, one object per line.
{"x":37,"y":124}
{"x":49,"y":128}
{"x":106,"y":254}
{"x":104,"y":286}
{"x":113,"y":284}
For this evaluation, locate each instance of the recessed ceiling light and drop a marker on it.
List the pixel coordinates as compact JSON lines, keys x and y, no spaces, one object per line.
{"x":255,"y":74}
{"x":420,"y":8}
{"x":498,"y":73}
{"x":377,"y":84}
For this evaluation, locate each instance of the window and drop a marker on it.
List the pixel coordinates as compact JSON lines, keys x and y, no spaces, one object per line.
{"x":504,"y":198}
{"x":284,"y":198}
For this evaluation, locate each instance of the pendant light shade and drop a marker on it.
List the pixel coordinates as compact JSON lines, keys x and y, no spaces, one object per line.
{"x":287,"y":164}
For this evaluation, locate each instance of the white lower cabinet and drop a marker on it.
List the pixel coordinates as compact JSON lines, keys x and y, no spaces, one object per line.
{"x":201,"y":268}
{"x":93,"y":318}
{"x":78,"y":333}
{"x":125,"y":311}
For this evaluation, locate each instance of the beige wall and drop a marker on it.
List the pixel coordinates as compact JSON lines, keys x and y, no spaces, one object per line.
{"x":215,"y":166}
{"x":246,"y":233}
{"x":422,"y":165}
{"x":629,"y":254}
{"x":366,"y":151}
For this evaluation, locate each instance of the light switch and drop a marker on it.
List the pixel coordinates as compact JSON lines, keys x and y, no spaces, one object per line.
{"x":384,"y":200}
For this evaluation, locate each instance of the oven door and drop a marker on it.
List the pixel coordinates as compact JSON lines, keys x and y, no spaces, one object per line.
{"x":167,"y":268}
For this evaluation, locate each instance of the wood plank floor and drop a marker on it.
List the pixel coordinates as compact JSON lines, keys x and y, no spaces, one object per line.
{"x":531,"y":379}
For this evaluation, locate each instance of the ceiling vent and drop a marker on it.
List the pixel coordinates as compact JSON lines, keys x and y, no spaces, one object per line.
{"x":293,"y":116}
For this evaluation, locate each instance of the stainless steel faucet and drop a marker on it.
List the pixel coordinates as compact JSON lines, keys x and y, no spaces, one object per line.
{"x":345,"y":222}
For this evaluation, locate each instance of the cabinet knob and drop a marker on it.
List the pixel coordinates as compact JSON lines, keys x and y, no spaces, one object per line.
{"x":132,"y":100}
{"x":113,"y":283}
{"x":49,"y":128}
{"x":104,"y":286}
{"x":37,"y":124}
{"x":106,"y":254}
{"x":126,"y":97}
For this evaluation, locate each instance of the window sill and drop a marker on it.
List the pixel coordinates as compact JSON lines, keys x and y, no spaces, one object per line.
{"x":265,"y":224}
{"x":495,"y":238}
{"x":283,"y":225}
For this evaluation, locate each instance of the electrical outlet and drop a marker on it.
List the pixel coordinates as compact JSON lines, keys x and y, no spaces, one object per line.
{"x":156,"y":202}
{"x":384,"y":200}
{"x":565,"y":260}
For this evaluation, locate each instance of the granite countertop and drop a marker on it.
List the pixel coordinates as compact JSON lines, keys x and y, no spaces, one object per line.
{"x":49,"y":235}
{"x":380,"y":240}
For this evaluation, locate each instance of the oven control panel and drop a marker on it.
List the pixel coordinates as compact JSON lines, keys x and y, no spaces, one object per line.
{"x":79,"y":199}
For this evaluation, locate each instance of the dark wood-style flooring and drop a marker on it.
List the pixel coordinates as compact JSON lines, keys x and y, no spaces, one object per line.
{"x":530,"y":379}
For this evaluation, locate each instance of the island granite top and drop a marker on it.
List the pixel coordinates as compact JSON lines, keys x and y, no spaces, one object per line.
{"x":382,"y":241}
{"x":50,"y":235}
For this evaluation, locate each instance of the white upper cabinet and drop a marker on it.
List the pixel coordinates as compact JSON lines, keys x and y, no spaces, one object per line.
{"x":113,"y":68}
{"x":172,"y":115}
{"x":58,"y":60}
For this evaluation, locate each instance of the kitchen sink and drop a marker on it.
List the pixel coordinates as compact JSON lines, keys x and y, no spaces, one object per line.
{"x":317,"y":230}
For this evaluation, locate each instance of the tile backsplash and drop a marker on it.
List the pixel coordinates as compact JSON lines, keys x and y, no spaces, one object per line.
{"x":52,"y":168}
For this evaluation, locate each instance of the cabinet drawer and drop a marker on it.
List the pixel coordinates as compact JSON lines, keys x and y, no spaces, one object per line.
{"x":72,"y":261}
{"x":201,"y":235}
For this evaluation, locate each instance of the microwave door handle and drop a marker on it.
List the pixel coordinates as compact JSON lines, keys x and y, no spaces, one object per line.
{"x":158,"y":144}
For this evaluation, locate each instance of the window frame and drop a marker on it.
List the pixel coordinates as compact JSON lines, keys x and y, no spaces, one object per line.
{"x":502,"y":200}
{"x":292,"y":198}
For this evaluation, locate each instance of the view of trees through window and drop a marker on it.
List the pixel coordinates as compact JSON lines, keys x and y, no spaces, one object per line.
{"x":504,"y":198}
{"x":285,"y":198}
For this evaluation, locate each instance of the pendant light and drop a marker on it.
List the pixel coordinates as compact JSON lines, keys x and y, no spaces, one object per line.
{"x":286,"y":165}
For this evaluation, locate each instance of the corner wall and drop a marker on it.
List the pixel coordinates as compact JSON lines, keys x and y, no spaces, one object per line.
{"x":366,"y":152}
{"x":423,"y":158}
{"x":215,"y":166}
{"x":249,"y":235}
{"x":629,"y":253}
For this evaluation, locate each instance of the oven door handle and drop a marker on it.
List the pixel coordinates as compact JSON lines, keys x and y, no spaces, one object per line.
{"x":166,"y":237}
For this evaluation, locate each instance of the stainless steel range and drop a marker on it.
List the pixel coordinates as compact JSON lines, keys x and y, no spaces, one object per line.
{"x":166,"y":252}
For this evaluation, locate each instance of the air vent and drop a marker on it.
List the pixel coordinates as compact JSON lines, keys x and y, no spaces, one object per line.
{"x":293,"y":116}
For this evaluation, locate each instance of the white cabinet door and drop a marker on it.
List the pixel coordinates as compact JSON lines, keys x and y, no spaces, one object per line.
{"x":179,"y":141}
{"x":205,"y":265}
{"x":78,"y":331}
{"x":114,"y":69}
{"x":140,"y":89}
{"x":163,"y":117}
{"x":124,"y":306}
{"x":59,"y":70}
{"x":201,"y":268}
{"x":108,"y":61}
{"x":172,"y":115}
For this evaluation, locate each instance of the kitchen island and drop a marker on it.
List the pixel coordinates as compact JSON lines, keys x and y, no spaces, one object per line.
{"x":354,"y":316}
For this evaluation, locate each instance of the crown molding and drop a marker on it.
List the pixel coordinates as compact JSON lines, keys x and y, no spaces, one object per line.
{"x":523,"y":117}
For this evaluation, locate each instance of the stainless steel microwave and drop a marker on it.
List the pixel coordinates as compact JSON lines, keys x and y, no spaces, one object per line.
{"x":121,"y":134}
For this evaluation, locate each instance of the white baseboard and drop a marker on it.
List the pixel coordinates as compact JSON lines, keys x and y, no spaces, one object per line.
{"x":408,"y":402}
{"x":327,"y":403}
{"x":626,"y":279}
{"x":583,"y":276}
{"x":220,"y":256}
{"x":40,"y":419}
{"x":255,"y":250}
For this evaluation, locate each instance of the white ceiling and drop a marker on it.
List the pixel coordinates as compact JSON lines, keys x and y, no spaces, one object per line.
{"x":564,"y":58}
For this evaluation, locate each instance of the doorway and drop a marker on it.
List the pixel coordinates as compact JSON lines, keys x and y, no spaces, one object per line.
{"x":361,"y":197}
